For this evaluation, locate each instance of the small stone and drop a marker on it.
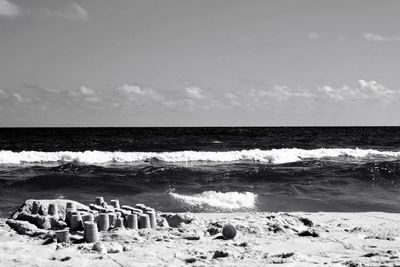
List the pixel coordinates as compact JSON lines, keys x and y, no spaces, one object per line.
{"x":127,"y":248}
{"x":371,"y":254}
{"x":190,"y":260}
{"x":114,"y":247}
{"x":220,"y":254}
{"x":99,"y":247}
{"x":213,"y":230}
{"x":192,"y":237}
{"x":65,"y":258}
{"x":244,"y":244}
{"x":311,"y":233}
{"x":306,"y":221}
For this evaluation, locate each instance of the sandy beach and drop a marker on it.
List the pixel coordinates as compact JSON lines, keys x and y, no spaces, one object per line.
{"x":263,"y":239}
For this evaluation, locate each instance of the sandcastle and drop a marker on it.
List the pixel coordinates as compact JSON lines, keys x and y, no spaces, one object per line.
{"x":68,"y":218}
{"x":103,"y":217}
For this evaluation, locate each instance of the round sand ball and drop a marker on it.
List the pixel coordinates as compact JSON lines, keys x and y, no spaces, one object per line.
{"x":229,"y":231}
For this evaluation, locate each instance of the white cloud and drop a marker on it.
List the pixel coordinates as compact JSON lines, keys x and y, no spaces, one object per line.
{"x":70,"y":11}
{"x":233,"y":99}
{"x":143,"y":96}
{"x":313,"y":35}
{"x":374,"y":88}
{"x":372,"y":37}
{"x":3,"y":94}
{"x":194,"y":92}
{"x":78,"y":11}
{"x":280,"y":92}
{"x":86,"y":91}
{"x":230,"y":96}
{"x":8,"y":9}
{"x":17,"y":97}
{"x":132,"y":89}
{"x":364,"y":91}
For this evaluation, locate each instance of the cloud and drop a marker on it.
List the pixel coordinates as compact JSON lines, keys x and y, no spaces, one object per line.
{"x":86,"y":91}
{"x":231,"y":96}
{"x":364,"y":91}
{"x":372,"y":37}
{"x":194,"y":92}
{"x":3,"y":94}
{"x":134,"y":94}
{"x":374,"y":88}
{"x":233,"y":99}
{"x":313,"y":35}
{"x":9,"y":9}
{"x":18,"y":97}
{"x":36,"y":87}
{"x":132,"y":89}
{"x":280,"y":92}
{"x":70,"y":11}
{"x":130,"y":97}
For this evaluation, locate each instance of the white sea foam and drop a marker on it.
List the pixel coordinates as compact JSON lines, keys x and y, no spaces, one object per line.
{"x":228,"y":200}
{"x":275,"y":156}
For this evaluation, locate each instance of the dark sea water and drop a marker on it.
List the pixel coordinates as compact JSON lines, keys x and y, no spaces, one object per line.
{"x":205,"y":169}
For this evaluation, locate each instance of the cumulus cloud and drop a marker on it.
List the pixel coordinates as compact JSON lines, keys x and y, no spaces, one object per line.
{"x":233,"y":99}
{"x":130,"y":97}
{"x":280,"y":92}
{"x":14,"y":97}
{"x":372,"y":37}
{"x":18,"y":97}
{"x":3,"y":94}
{"x":86,"y":91}
{"x":70,"y":11}
{"x":9,"y":9}
{"x":37,"y":87}
{"x":231,"y":96}
{"x":143,"y":96}
{"x":313,"y":35}
{"x":194,"y":92}
{"x":132,"y":89}
{"x":366,"y":90}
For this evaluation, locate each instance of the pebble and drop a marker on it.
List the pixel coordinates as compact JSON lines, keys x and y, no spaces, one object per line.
{"x":99,"y":247}
{"x":220,"y":254}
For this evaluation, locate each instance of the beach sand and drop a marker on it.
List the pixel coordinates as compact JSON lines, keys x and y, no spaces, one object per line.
{"x":263,"y":239}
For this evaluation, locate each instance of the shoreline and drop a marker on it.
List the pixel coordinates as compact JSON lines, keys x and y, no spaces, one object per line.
{"x":299,"y":238}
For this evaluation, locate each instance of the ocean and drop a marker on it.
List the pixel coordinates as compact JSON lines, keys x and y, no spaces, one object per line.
{"x":205,"y":169}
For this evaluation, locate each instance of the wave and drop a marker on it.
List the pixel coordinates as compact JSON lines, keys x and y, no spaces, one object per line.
{"x":274,"y":156}
{"x":228,"y":200}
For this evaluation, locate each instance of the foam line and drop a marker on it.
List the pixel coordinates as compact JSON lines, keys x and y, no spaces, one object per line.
{"x":275,"y":156}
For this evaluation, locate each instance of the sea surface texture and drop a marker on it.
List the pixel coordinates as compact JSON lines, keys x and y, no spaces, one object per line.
{"x":205,"y":169}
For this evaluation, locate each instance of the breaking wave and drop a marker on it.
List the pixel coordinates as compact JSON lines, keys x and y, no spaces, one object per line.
{"x":228,"y":200}
{"x":274,"y":156}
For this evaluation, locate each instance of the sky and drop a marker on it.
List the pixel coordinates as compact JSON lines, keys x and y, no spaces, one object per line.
{"x":199,"y":63}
